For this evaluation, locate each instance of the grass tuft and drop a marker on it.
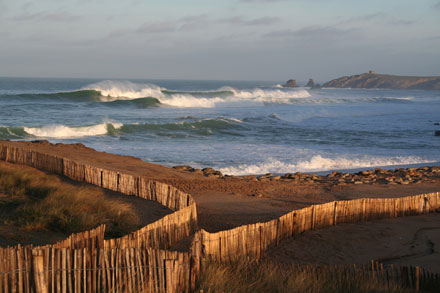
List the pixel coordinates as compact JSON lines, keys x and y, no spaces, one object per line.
{"x":32,"y":200}
{"x":252,"y":276}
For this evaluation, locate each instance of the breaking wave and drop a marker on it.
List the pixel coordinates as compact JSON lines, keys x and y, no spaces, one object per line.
{"x":150,"y":95}
{"x":319,"y":163}
{"x":62,"y":131}
{"x":198,"y":127}
{"x":144,"y":95}
{"x":58,"y":131}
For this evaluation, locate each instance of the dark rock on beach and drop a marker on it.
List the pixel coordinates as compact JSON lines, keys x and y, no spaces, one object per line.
{"x":400,"y":176}
{"x":184,"y":168}
{"x":372,"y":80}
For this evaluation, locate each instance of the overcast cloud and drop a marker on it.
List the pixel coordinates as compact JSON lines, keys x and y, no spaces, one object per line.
{"x":230,"y":39}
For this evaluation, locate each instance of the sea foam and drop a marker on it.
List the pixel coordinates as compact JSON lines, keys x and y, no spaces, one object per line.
{"x":126,"y":90}
{"x":319,"y":163}
{"x":63,"y":131}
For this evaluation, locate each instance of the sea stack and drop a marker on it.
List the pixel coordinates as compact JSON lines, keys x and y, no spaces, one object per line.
{"x":311,"y":83}
{"x":290,"y":83}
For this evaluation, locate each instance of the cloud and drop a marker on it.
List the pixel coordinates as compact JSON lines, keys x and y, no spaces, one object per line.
{"x":195,"y":22}
{"x":156,"y":27}
{"x":239,"y":20}
{"x":378,"y":17}
{"x":3,"y":7}
{"x":315,"y":31}
{"x":433,"y":38}
{"x":261,"y":1}
{"x":187,"y":23}
{"x":58,"y":16}
{"x":436,"y":5}
{"x":401,"y":21}
{"x":365,"y":17}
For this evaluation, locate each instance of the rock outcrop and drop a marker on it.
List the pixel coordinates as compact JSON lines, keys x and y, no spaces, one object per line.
{"x":290,"y":83}
{"x":311,"y":84}
{"x":372,"y":80}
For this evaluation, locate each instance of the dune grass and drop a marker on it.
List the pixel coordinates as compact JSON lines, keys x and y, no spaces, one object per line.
{"x":32,"y":200}
{"x":252,"y":276}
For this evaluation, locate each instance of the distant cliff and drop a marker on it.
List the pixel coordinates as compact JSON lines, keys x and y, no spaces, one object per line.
{"x":372,"y":80}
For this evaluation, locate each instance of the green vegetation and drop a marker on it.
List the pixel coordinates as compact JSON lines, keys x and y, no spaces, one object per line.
{"x":31,"y":200}
{"x":251,"y":276}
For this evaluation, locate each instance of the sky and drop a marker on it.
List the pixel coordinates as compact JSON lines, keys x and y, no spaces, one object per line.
{"x":271,"y":40}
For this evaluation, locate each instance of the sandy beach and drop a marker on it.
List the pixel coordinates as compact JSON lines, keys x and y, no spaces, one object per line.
{"x":225,"y":202}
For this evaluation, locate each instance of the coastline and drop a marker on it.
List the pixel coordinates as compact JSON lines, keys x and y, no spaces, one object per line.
{"x":226,"y":202}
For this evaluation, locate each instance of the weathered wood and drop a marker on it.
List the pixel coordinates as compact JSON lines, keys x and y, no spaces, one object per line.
{"x":38,"y":265}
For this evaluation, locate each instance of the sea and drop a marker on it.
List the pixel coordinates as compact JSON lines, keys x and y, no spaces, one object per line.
{"x":237,"y":127}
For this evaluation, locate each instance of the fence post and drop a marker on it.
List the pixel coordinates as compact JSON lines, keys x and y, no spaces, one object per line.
{"x":169,"y":278}
{"x":278,"y":232}
{"x":417,"y":278}
{"x":40,"y":282}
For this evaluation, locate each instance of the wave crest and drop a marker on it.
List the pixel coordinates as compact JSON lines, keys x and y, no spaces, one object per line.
{"x":124,"y":90}
{"x":63,"y":131}
{"x":200,"y":127}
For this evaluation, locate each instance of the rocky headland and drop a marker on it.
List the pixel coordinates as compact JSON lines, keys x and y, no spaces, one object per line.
{"x":372,"y":80}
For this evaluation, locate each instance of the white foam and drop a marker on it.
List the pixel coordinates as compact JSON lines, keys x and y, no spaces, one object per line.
{"x":401,"y":98}
{"x":188,"y":101}
{"x":62,"y":131}
{"x":271,"y":94}
{"x":239,"y":97}
{"x":234,"y":120}
{"x":318,"y":163}
{"x":125,"y":90}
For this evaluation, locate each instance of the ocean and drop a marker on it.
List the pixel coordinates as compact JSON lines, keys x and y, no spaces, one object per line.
{"x":238,"y":127}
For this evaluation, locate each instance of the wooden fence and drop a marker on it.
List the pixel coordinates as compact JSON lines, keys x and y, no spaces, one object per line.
{"x":85,"y":262}
{"x":165,"y":194}
{"x":161,"y":234}
{"x":16,"y":263}
{"x":254,"y":239}
{"x":87,"y":239}
{"x":50,"y":269}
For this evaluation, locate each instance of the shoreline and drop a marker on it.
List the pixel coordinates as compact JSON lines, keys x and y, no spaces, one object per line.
{"x":225,"y":202}
{"x":399,"y":174}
